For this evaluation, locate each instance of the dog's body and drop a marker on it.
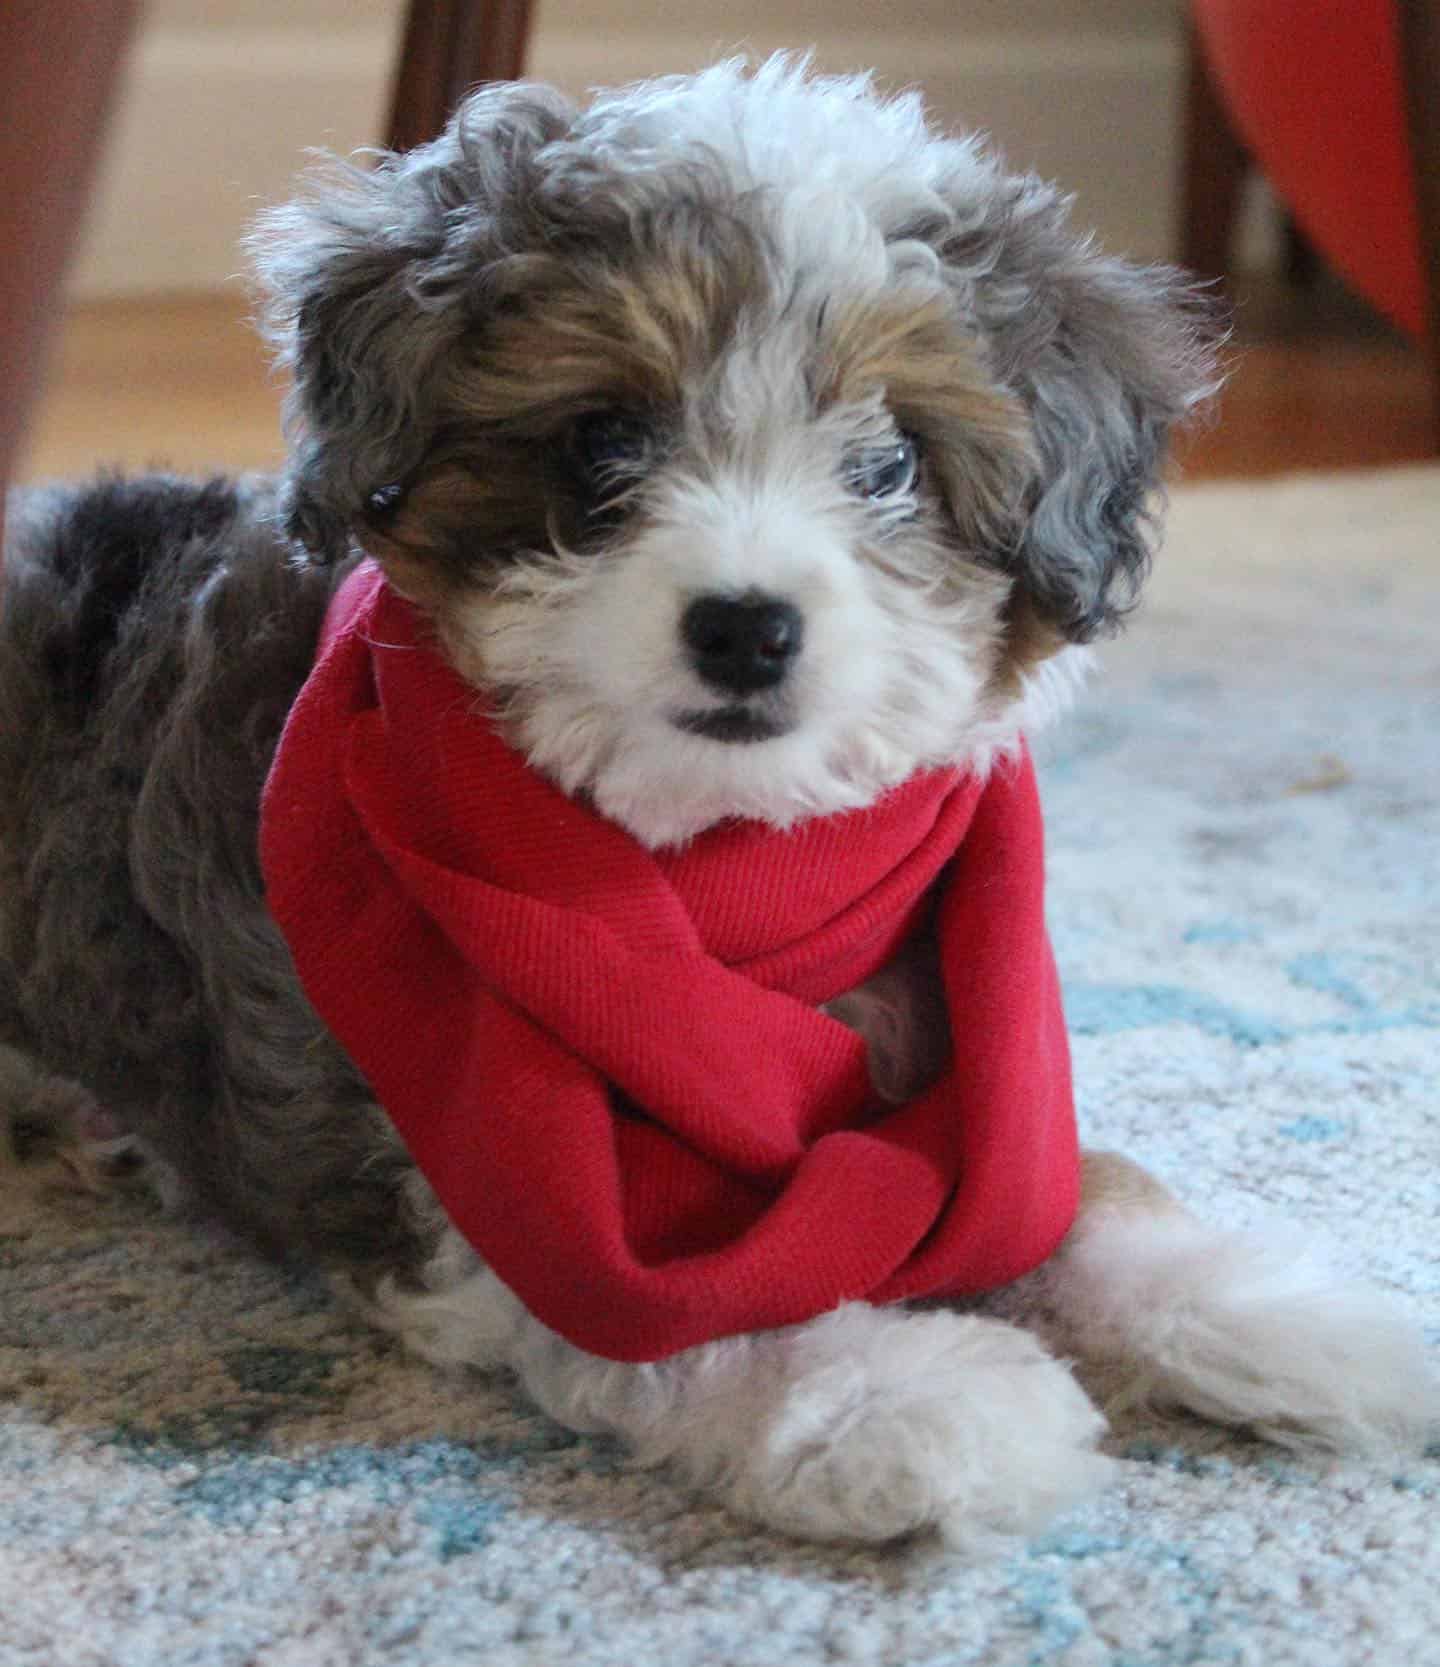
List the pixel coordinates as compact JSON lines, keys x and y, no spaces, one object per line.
{"x":751,"y":449}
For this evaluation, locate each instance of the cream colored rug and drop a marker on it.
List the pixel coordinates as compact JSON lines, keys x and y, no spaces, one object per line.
{"x":201,"y":1465}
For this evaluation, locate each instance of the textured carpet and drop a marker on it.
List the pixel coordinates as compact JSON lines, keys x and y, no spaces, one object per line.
{"x":202,"y":1464}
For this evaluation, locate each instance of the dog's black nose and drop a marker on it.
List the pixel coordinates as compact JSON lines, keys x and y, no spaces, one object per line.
{"x":742,"y":644}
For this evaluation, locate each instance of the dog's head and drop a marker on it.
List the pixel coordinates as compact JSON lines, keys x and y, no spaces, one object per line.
{"x":750,"y":445}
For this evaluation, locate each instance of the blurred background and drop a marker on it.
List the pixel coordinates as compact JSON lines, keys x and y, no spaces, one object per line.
{"x":221,"y":99}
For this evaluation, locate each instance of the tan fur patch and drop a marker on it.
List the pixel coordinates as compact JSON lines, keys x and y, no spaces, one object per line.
{"x":1109,"y":1181}
{"x":594,"y":331}
{"x":1029,"y":639}
{"x":913,"y":352}
{"x":976,"y":437}
{"x":582,"y":335}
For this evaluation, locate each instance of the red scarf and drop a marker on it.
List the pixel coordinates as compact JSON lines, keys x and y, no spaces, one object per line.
{"x":608,"y":1061}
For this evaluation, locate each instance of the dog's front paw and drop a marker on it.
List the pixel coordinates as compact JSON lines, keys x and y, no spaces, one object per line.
{"x":880,"y":1423}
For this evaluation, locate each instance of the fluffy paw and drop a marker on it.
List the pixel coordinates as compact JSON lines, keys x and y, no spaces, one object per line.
{"x":877,"y":1424}
{"x":865,"y":1425}
{"x":56,"y":1134}
{"x":1245,"y":1330}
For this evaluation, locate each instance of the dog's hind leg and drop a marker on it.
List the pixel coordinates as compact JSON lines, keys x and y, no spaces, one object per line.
{"x":1160,"y":1310}
{"x":54,"y":1132}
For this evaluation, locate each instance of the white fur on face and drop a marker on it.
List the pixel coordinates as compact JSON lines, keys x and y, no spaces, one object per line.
{"x":589,"y":652}
{"x":902,"y":624}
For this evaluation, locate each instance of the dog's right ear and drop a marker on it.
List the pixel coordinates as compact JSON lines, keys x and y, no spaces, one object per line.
{"x":370,"y":278}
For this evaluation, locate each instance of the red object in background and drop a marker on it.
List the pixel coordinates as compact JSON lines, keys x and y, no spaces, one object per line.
{"x":1314,"y":89}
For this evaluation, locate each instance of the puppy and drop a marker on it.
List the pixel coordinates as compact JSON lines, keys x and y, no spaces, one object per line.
{"x":746,"y":451}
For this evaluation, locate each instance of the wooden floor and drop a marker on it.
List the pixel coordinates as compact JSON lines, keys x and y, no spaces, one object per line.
{"x":184,"y":383}
{"x":180,"y":383}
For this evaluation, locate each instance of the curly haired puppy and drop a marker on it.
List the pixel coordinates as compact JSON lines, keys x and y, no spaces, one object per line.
{"x":750,"y":447}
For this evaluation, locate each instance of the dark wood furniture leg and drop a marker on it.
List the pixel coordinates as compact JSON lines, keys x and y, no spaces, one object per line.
{"x":59,"y":68}
{"x":450,"y":46}
{"x":1420,"y":62}
{"x":1214,"y":168}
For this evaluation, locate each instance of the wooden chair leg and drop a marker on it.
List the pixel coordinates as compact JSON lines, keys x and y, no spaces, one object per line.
{"x":450,"y":46}
{"x":1214,"y":167}
{"x":1420,"y":62}
{"x":59,"y":71}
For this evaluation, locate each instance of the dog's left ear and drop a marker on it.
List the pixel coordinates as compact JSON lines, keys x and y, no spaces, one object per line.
{"x":1106,"y":358}
{"x":371,"y":278}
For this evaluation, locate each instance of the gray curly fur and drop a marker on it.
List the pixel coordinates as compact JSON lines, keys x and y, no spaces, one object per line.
{"x":155,"y":631}
{"x":154,"y":634}
{"x":378,"y":275}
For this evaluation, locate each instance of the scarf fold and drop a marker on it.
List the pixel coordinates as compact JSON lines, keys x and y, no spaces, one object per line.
{"x":609,"y":1063}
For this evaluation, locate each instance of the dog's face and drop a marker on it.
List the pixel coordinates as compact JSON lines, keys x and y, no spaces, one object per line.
{"x":748,"y":445}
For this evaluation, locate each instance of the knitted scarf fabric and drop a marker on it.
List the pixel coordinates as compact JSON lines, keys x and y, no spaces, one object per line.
{"x":608,"y":1062}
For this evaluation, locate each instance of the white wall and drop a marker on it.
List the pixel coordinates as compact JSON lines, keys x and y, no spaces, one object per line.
{"x":223,"y":97}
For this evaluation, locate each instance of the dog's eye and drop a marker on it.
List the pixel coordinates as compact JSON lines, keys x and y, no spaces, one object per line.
{"x":611,"y":450}
{"x":880,"y":472}
{"x":385,"y":501}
